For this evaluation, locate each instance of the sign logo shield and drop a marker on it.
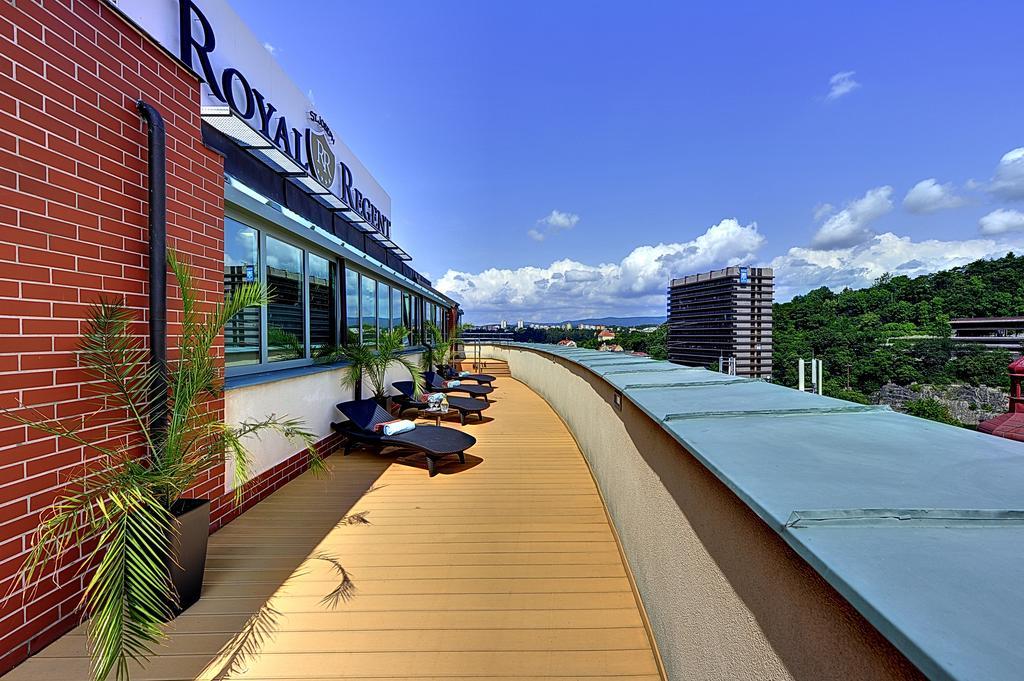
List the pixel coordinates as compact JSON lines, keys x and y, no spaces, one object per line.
{"x":321,"y":158}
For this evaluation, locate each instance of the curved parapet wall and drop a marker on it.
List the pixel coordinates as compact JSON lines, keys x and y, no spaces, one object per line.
{"x":776,"y":534}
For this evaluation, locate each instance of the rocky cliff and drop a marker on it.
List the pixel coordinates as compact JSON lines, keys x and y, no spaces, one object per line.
{"x":966,"y":403}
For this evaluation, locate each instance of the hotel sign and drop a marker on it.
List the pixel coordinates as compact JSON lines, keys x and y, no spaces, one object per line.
{"x":239,"y":72}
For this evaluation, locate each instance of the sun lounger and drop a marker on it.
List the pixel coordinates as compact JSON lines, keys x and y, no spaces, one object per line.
{"x":435,"y":442}
{"x":463,"y":405}
{"x":437,"y":384}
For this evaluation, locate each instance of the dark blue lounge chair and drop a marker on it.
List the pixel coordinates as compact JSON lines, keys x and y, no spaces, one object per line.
{"x":435,"y":442}
{"x":435,"y":382}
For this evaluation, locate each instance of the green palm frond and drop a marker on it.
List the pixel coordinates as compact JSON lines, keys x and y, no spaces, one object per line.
{"x":234,"y":438}
{"x":130,"y":594}
{"x":118,"y":361}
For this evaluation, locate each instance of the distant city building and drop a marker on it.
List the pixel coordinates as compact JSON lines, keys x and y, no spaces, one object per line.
{"x":567,"y":326}
{"x":519,"y":325}
{"x":610,"y":347}
{"x":993,"y":333}
{"x":503,"y":324}
{"x":722,"y":314}
{"x":605,"y":335}
{"x":1011,"y":424}
{"x":565,"y":342}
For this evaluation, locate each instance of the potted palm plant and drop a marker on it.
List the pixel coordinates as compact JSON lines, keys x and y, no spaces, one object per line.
{"x":438,"y":349}
{"x":371,"y":363}
{"x":441,"y":352}
{"x":127,"y":508}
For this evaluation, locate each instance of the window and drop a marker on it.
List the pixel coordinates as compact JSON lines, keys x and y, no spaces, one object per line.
{"x":396,"y":308}
{"x":286,"y":332}
{"x":373,"y":307}
{"x":322,"y":294}
{"x":352,"y":305}
{"x":241,"y":265}
{"x":430,"y":316}
{"x":407,"y":319}
{"x":383,"y":306}
{"x":417,"y":330}
{"x":368,"y":310}
{"x":301,"y":317}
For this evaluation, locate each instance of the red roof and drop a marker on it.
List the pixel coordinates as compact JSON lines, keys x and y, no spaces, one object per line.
{"x":1017,"y":366}
{"x":1006,"y":425}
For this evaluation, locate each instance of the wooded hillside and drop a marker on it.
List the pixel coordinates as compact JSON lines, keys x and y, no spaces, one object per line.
{"x":866,"y":337}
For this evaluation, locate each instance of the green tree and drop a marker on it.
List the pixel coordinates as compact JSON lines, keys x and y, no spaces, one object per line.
{"x":898,"y":329}
{"x":930,"y":409}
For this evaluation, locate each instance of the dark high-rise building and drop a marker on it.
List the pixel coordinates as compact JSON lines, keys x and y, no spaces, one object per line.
{"x":722,"y":314}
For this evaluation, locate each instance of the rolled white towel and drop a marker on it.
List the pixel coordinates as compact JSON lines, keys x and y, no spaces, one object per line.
{"x":463,"y":374}
{"x":396,"y":427}
{"x":453,"y":384}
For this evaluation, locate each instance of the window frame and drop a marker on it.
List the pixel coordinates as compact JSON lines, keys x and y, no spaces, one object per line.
{"x":304,"y":297}
{"x":397,"y":293}
{"x":265,"y":229}
{"x":333,"y":267}
{"x":260,"y":336}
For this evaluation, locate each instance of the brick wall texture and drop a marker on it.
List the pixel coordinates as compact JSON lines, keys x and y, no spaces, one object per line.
{"x":73,"y":227}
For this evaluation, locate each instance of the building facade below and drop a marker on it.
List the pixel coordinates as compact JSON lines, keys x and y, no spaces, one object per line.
{"x":721,"y":314}
{"x":992,"y":333}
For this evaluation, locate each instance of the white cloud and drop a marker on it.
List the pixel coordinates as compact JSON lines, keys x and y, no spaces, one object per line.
{"x":559,"y":220}
{"x":636,"y":285}
{"x":1008,"y":181}
{"x":823,"y":209}
{"x":850,"y":226}
{"x":568,"y":288}
{"x":270,"y":48}
{"x":1001,"y":221}
{"x":554,"y":221}
{"x":928,"y":196}
{"x":841,"y":84}
{"x":803,"y":269}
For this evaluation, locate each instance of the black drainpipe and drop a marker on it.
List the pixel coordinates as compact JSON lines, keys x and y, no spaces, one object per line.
{"x":157,"y":138}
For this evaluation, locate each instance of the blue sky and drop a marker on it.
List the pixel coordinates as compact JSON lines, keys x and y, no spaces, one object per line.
{"x":552,"y":160}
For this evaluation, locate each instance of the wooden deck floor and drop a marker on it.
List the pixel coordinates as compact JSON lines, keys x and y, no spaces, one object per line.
{"x":504,"y":567}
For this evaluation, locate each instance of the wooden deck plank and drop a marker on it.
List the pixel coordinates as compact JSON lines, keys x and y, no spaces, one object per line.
{"x":504,"y":567}
{"x":416,"y":640}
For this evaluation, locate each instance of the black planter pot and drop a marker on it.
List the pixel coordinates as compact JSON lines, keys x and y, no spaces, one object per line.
{"x":187,"y":560}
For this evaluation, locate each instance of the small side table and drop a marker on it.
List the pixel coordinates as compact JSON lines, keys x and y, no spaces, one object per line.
{"x":436,"y":413}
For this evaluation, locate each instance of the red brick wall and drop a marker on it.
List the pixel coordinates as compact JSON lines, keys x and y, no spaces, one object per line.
{"x":73,"y":225}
